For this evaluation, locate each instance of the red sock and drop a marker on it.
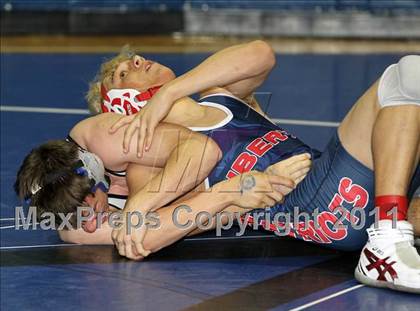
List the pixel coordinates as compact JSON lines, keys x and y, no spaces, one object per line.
{"x":386,"y":203}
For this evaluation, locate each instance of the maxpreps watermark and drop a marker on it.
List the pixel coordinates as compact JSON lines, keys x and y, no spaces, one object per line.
{"x":316,"y":226}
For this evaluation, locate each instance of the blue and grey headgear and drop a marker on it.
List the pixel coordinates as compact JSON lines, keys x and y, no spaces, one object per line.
{"x":89,"y":165}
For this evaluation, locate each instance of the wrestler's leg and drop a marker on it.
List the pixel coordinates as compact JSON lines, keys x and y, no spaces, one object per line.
{"x":394,"y":153}
{"x":395,"y":146}
{"x":385,"y":140}
{"x":356,"y":129}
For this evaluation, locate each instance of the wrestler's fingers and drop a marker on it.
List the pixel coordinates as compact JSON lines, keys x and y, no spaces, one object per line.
{"x":297,"y":158}
{"x":138,"y":243}
{"x":282,"y":189}
{"x":268,"y":201}
{"x":128,"y":135}
{"x":297,"y":181}
{"x":128,"y":247}
{"x":130,"y":252}
{"x":121,"y":248}
{"x":298,"y":174}
{"x":298,"y":165}
{"x":141,"y":250}
{"x":114,"y":236}
{"x":133,"y":248}
{"x":141,"y":138}
{"x":120,"y":123}
{"x":281,"y":180}
{"x":137,"y":256}
{"x":149,"y":136}
{"x":276,"y":195}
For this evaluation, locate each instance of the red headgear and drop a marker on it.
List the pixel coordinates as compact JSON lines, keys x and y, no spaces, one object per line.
{"x":125,"y":101}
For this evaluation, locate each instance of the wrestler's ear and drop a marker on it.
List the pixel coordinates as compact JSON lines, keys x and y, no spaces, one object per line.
{"x":90,"y":224}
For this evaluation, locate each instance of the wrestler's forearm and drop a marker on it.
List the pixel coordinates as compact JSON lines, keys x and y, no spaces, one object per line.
{"x":230,"y":65}
{"x":177,"y":221}
{"x":102,"y":235}
{"x":187,"y":166}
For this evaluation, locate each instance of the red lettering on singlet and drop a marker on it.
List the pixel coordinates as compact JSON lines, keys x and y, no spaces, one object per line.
{"x":326,"y":221}
{"x":231,"y":174}
{"x":320,"y":233}
{"x":275,"y":137}
{"x":244,"y":163}
{"x":336,"y":202}
{"x":310,"y":233}
{"x":350,"y":193}
{"x":259,"y":147}
{"x":336,"y":206}
{"x":353,"y":193}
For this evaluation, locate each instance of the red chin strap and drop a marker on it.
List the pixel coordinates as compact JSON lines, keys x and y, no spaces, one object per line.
{"x":386,"y":203}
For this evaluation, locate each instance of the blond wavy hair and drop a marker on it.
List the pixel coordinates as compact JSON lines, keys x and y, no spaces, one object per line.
{"x":106,"y":71}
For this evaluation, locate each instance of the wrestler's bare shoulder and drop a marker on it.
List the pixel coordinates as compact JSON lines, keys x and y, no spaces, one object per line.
{"x":102,"y":120}
{"x":85,"y":128}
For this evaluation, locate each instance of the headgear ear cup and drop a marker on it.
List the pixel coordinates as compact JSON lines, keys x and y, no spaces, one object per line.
{"x":93,"y":167}
{"x":125,"y":101}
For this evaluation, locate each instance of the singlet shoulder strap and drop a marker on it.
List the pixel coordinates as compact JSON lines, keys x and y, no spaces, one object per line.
{"x":71,"y":140}
{"x":116,"y":173}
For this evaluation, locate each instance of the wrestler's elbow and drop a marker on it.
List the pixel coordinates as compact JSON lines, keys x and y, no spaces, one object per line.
{"x":68,"y":237}
{"x":210,"y":150}
{"x":265,"y":53}
{"x":213,"y":150}
{"x":211,"y":154}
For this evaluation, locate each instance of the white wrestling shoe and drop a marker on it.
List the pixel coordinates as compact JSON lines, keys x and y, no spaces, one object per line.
{"x":389,"y":258}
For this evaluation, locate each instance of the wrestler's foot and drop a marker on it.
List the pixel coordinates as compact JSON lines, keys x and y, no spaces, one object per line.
{"x":389,"y":258}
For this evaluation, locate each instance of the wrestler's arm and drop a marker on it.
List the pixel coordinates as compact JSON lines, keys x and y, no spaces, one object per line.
{"x":101,"y":235}
{"x":179,"y":219}
{"x":236,"y":70}
{"x":222,"y":196}
{"x":239,"y":69}
{"x":167,"y":231}
{"x":219,"y":197}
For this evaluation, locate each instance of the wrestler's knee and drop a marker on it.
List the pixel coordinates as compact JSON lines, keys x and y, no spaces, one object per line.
{"x":398,"y":84}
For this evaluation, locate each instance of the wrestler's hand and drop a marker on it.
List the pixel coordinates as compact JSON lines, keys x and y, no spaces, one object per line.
{"x":295,"y":168}
{"x":258,"y":190}
{"x":129,"y":241}
{"x":144,"y":122}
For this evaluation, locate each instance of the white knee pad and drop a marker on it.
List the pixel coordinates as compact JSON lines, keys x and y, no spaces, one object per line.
{"x":400,"y":83}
